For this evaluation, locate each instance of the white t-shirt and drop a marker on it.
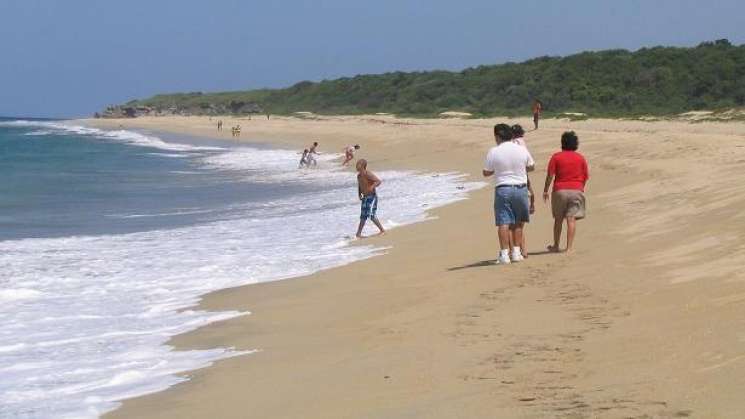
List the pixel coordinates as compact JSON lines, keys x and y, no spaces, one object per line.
{"x":520,"y":141}
{"x":509,"y":162}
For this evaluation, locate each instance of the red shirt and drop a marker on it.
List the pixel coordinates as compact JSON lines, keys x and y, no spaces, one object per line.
{"x":570,"y":169}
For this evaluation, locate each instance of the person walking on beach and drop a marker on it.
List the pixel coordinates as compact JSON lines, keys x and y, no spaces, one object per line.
{"x":367,"y":184}
{"x":537,"y":109}
{"x":518,"y":137}
{"x":569,"y":173}
{"x":509,"y":163}
{"x":349,"y":153}
{"x":219,"y":125}
{"x":310,"y":159}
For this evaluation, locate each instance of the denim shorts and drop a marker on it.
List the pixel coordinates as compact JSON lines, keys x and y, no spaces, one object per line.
{"x":511,"y":205}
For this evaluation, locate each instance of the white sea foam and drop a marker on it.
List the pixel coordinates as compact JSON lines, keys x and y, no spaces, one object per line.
{"x":122,"y":136}
{"x":38,"y":133}
{"x":181,"y":211}
{"x":84,"y":320}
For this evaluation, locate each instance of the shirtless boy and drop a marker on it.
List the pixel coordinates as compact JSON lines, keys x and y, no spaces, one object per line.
{"x":367,"y":184}
{"x":310,"y":159}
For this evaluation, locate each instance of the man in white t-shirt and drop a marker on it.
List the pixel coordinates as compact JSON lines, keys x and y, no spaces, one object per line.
{"x":509,"y":163}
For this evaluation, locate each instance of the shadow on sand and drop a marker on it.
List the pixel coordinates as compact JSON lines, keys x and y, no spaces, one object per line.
{"x":481,"y":264}
{"x":492,"y":262}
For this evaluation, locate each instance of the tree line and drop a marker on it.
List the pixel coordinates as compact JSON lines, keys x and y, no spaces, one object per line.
{"x":649,"y":81}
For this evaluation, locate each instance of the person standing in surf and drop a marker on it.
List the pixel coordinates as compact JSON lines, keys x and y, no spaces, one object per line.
{"x":367,"y":184}
{"x":349,"y":153}
{"x":303,"y":159}
{"x":537,"y":109}
{"x":310,"y":159}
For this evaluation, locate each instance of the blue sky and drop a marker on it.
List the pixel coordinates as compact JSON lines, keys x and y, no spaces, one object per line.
{"x":71,"y":58}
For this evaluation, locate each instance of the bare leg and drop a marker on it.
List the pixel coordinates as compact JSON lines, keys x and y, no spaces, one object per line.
{"x":571,"y":229}
{"x":517,"y":234}
{"x":377,"y":224}
{"x":503,"y":232}
{"x":557,"y":234}
{"x":359,"y":229}
{"x":523,"y":246}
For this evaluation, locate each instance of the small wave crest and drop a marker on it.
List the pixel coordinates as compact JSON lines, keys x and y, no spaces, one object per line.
{"x":121,"y":135}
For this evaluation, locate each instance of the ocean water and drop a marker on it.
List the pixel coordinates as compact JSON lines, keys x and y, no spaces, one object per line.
{"x":108,"y":239}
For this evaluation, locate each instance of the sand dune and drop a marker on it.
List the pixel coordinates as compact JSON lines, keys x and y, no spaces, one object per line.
{"x":644,"y":320}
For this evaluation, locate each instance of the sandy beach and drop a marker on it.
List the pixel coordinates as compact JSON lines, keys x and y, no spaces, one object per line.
{"x":644,"y":320}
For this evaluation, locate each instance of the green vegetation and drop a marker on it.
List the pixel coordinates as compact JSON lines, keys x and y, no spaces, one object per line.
{"x":650,"y":81}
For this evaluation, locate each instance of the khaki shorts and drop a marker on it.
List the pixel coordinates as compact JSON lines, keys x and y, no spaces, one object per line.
{"x":568,"y":203}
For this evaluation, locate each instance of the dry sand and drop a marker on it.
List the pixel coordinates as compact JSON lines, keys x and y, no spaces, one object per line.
{"x":645,"y":320}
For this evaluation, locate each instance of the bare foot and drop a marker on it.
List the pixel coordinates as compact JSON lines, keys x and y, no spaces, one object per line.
{"x":382,"y":233}
{"x":552,"y":248}
{"x":359,"y":236}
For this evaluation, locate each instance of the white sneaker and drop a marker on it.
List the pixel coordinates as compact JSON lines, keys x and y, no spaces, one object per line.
{"x":503,"y":260}
{"x":517,"y":257}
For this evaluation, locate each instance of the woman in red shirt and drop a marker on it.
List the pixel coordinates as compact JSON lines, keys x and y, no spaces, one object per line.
{"x":568,"y":171}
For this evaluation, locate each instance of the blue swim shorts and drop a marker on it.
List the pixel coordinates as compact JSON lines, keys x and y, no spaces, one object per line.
{"x":511,"y":205}
{"x":369,"y":207}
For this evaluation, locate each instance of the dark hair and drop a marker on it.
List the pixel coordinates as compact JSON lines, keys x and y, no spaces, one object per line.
{"x":569,"y":141}
{"x":356,"y":146}
{"x":315,"y":143}
{"x":503,"y":132}
{"x":517,"y":131}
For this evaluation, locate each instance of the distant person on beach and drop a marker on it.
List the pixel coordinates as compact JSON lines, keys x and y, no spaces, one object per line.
{"x":569,"y":173}
{"x":349,"y":153}
{"x":537,"y":109}
{"x":509,"y":163}
{"x":304,"y":159}
{"x":518,"y":137}
{"x":310,"y":159}
{"x":367,"y":184}
{"x":219,"y":125}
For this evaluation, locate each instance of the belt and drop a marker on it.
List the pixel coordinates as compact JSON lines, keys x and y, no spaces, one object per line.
{"x":513,"y":186}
